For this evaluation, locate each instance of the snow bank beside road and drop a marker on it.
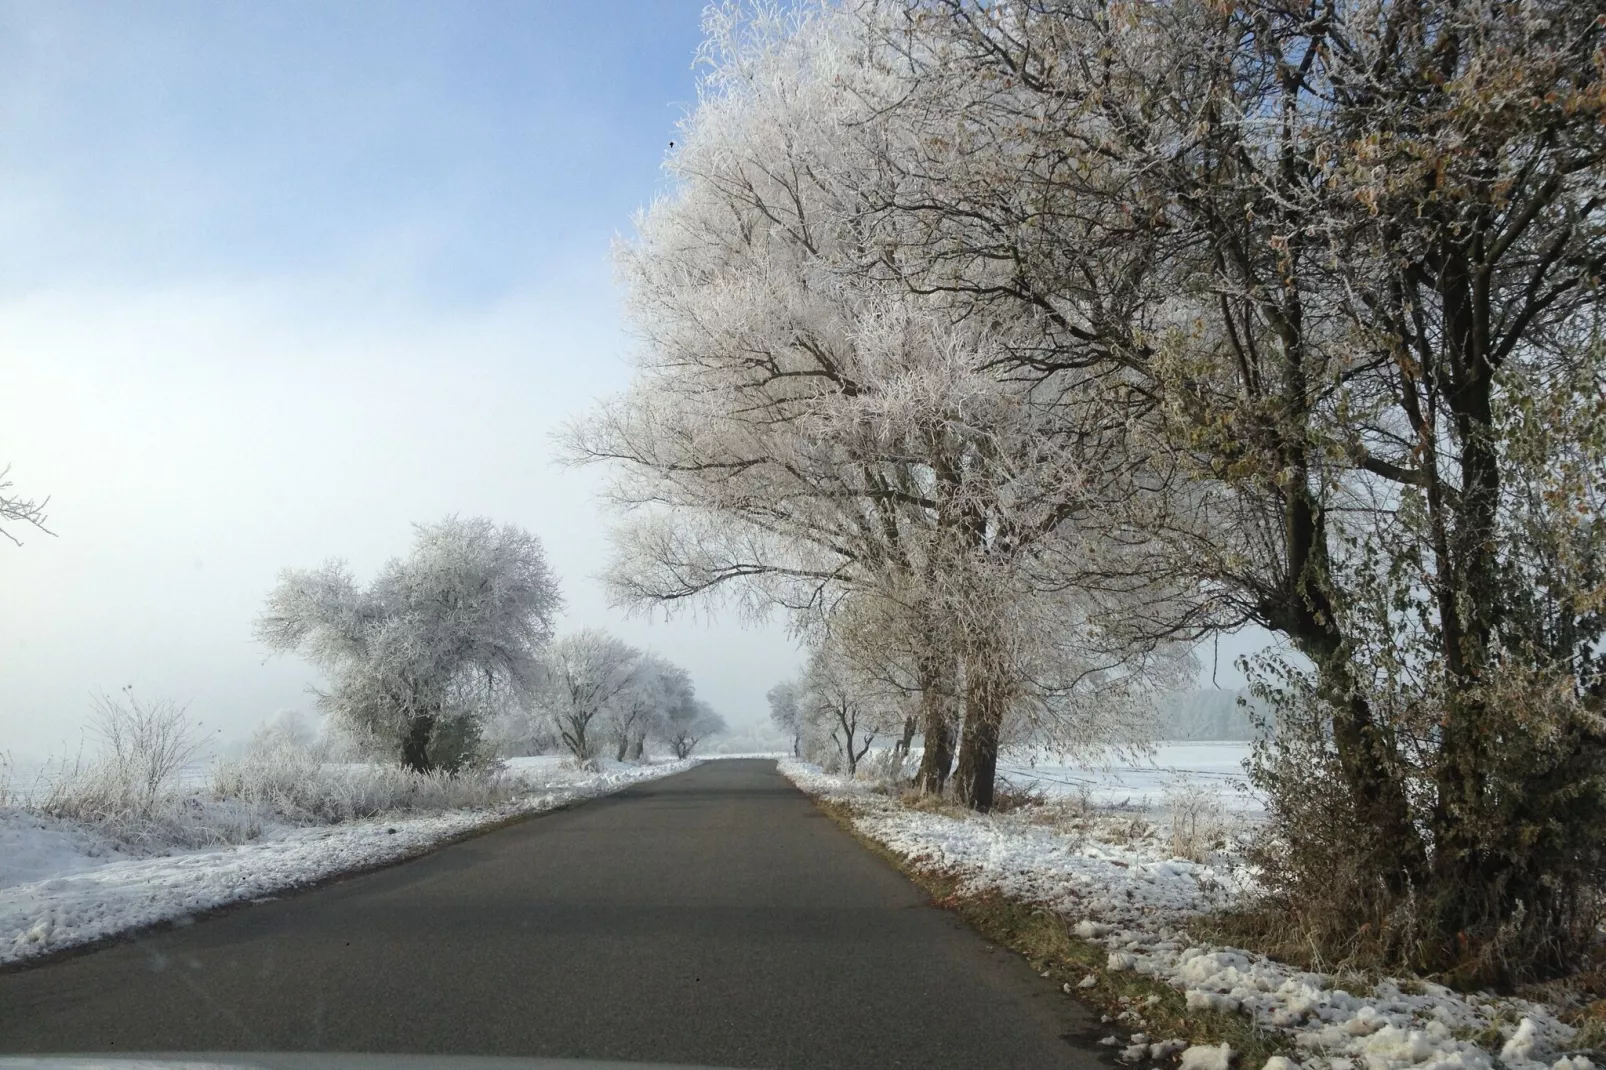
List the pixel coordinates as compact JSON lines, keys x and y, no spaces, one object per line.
{"x":74,"y":889}
{"x":1134,"y":901}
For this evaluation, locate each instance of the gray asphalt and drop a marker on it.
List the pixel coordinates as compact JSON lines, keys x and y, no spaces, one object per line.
{"x":714,"y":917}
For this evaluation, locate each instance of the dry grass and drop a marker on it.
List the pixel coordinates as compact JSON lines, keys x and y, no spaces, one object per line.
{"x":129,"y":789}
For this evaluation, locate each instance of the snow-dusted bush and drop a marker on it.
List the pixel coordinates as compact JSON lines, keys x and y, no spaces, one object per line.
{"x":888,"y":769}
{"x":89,"y":792}
{"x":143,"y":746}
{"x":128,"y":786}
{"x":295,"y":780}
{"x":1198,"y":819}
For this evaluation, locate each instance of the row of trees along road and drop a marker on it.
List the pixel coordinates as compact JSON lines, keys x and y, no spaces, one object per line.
{"x":456,"y":640}
{"x":1011,"y":347}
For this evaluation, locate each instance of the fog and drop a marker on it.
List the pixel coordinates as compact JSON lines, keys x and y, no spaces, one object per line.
{"x":277,"y":283}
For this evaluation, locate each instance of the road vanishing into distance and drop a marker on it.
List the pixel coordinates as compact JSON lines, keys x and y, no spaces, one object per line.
{"x":714,"y":917}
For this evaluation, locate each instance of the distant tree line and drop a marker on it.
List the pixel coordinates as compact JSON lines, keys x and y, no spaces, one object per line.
{"x":454,"y":644}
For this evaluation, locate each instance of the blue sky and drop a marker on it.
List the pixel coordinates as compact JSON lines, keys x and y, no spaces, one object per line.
{"x":277,"y":279}
{"x":481,"y":143}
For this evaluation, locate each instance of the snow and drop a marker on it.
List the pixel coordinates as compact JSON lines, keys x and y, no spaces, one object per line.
{"x":1128,"y":895}
{"x":34,"y":847}
{"x":61,"y":884}
{"x":1207,"y":1057}
{"x":1140,"y":783}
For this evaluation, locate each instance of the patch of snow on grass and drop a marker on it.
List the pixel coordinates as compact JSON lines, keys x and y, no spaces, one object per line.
{"x":1136,"y":902}
{"x":1207,"y":1057}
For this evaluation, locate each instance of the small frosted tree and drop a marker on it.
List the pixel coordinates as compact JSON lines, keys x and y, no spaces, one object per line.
{"x":786,"y":711}
{"x":687,"y":724}
{"x":586,"y":674}
{"x":639,"y":708}
{"x":421,"y":657}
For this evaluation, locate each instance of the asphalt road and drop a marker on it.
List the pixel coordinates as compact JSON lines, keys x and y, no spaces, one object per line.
{"x":714,"y":917}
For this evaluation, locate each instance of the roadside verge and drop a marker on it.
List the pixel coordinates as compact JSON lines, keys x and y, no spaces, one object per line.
{"x":44,"y":917}
{"x":1110,"y":922}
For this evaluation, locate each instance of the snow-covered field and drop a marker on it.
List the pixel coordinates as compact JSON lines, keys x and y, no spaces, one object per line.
{"x":1129,"y":895}
{"x":1140,"y":783}
{"x":63,"y":883}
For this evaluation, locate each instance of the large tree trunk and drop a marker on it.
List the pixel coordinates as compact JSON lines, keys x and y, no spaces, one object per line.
{"x":978,"y":749}
{"x":415,"y":743}
{"x":1366,"y":749}
{"x":1470,"y":883}
{"x":1308,"y":613}
{"x":937,"y":718}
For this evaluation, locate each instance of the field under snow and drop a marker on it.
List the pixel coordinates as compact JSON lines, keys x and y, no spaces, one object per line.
{"x":1141,"y":783}
{"x":64,"y":883}
{"x":1103,"y":855}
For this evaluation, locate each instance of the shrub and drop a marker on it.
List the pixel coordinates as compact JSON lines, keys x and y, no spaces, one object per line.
{"x":1198,"y":820}
{"x":888,"y":770}
{"x":297,"y":781}
{"x":1541,"y":819}
{"x":129,"y":787}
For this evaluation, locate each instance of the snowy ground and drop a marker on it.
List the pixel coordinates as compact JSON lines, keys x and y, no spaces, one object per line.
{"x":1140,"y":783}
{"x":1127,"y":894}
{"x":63,"y":884}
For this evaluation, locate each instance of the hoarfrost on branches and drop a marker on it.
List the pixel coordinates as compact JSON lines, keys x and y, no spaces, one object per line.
{"x":433,"y":648}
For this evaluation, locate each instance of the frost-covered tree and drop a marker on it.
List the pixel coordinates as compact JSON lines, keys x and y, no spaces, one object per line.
{"x":1330,"y":261}
{"x":15,"y":509}
{"x":805,"y":428}
{"x":687,"y":724}
{"x":842,"y":712}
{"x":585,"y":674}
{"x":426,"y":653}
{"x":786,"y":712}
{"x":639,"y":710}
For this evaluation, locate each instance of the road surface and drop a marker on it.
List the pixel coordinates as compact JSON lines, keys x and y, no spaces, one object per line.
{"x":714,"y":917}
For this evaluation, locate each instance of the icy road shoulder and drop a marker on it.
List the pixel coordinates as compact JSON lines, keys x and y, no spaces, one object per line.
{"x":90,"y":894}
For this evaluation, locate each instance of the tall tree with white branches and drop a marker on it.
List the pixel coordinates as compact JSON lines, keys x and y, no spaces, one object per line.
{"x":801,"y":431}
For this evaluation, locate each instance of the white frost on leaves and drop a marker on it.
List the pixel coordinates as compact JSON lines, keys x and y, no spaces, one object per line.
{"x":1135,"y":902}
{"x":60,"y":887}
